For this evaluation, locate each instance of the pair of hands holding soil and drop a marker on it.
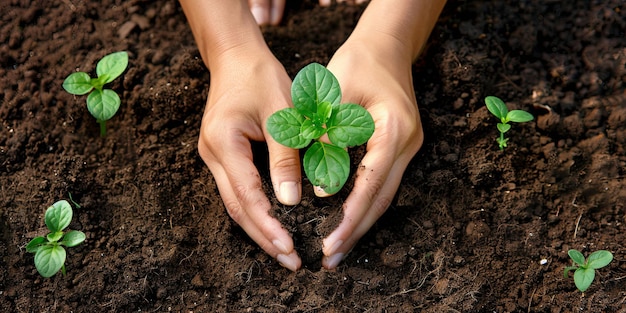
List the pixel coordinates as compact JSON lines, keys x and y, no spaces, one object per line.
{"x":248,"y":84}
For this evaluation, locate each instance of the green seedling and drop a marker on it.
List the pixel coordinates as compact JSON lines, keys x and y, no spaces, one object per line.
{"x":49,"y":251}
{"x":585,"y":270}
{"x":318,"y":111}
{"x":101,"y":103}
{"x":499,"y":109}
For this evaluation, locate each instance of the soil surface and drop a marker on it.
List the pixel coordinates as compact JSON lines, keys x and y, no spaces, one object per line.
{"x":472,"y":229}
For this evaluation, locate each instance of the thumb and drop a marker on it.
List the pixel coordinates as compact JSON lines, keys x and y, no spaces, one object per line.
{"x":285,"y":172}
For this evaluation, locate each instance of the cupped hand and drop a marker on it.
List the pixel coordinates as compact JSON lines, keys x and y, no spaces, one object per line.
{"x":244,"y":91}
{"x":380,"y":80}
{"x":271,"y":11}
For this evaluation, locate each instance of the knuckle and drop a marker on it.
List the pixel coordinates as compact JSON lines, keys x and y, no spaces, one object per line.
{"x":234,"y":210}
{"x":380,"y":205}
{"x":284,"y":163}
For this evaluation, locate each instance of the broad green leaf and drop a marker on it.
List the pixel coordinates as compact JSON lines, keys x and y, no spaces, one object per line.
{"x":583,"y":277}
{"x":327,"y":166}
{"x":310,"y":130}
{"x":285,"y":126}
{"x":103,"y":104}
{"x":314,"y":84}
{"x":503,"y":128}
{"x":576,"y":256}
{"x":600,"y":258}
{"x":78,"y":83}
{"x":73,"y":238}
{"x":519,"y":116}
{"x":496,"y":107}
{"x":35,"y":244}
{"x":350,"y":125}
{"x":112,"y":65}
{"x":49,"y":260}
{"x":58,"y":216}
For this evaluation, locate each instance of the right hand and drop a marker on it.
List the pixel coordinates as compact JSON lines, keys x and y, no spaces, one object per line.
{"x":246,"y":88}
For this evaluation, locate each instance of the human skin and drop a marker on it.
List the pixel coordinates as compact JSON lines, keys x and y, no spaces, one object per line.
{"x":271,"y":11}
{"x":248,"y":84}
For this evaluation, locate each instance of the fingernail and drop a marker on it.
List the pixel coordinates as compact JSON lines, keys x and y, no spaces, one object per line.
{"x":280,"y":246}
{"x":288,"y":261}
{"x":324,"y":3}
{"x":334,"y":247}
{"x":333,"y":260}
{"x":260,"y":15}
{"x":275,"y":16}
{"x":319,"y":191}
{"x":288,"y":193}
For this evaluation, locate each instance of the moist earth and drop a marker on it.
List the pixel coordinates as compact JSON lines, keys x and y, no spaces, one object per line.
{"x":471,"y":229}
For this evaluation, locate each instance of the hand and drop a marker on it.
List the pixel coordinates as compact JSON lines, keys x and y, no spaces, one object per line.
{"x":379,"y":78}
{"x":271,"y":11}
{"x":245,"y":89}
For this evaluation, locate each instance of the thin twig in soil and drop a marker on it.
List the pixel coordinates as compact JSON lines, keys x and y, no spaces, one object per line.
{"x":577,"y":223}
{"x":530,"y":301}
{"x":403,"y":292}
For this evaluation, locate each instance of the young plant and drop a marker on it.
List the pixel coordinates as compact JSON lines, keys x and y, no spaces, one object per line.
{"x":101,"y":103}
{"x":318,"y":111}
{"x":49,"y":251}
{"x":499,"y":109}
{"x":585,"y":270}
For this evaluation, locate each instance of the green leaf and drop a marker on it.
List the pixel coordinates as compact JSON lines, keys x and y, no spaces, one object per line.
{"x":327,"y":166}
{"x":112,"y":65}
{"x":599,"y":259}
{"x":350,"y":125}
{"x":103,"y":104}
{"x":314,"y":84}
{"x":54,"y":236}
{"x":576,"y":256}
{"x":503,"y":128}
{"x":73,"y":238}
{"x":49,"y":260}
{"x":34,"y":245}
{"x":285,"y":126}
{"x":58,"y":216}
{"x":519,"y":116}
{"x":78,"y":83}
{"x":496,"y":107}
{"x":583,"y":277}
{"x":310,"y":130}
{"x":324,"y":110}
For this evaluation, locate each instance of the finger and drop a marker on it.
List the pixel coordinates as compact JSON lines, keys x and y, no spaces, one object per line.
{"x":280,"y":248}
{"x":260,"y":9}
{"x":276,"y":11}
{"x":368,"y":183}
{"x":325,"y":3}
{"x":348,"y":234}
{"x":246,"y":202}
{"x":285,"y":172}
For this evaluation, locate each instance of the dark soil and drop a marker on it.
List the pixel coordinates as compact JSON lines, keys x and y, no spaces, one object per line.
{"x":466,"y":233}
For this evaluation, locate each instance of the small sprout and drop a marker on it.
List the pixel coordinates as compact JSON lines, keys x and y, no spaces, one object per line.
{"x":49,"y":251}
{"x":585,"y":270}
{"x":317,"y":111}
{"x":499,"y":109}
{"x":101,"y":103}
